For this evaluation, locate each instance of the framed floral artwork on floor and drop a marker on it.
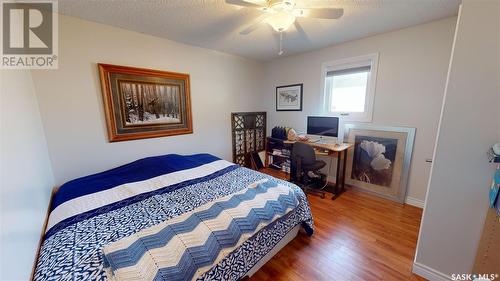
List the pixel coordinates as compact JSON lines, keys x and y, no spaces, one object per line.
{"x":380,"y":160}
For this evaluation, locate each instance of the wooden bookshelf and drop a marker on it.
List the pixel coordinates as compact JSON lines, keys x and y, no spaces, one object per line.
{"x":278,"y":152}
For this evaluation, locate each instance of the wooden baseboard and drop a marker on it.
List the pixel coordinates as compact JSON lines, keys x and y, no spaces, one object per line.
{"x":415,"y":202}
{"x":429,"y":273}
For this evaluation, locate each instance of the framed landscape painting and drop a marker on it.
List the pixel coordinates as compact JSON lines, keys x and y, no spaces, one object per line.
{"x":380,"y":160}
{"x":289,"y":98}
{"x":144,"y":103}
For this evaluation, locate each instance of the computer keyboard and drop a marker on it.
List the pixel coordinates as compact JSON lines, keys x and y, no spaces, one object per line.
{"x":325,"y":142}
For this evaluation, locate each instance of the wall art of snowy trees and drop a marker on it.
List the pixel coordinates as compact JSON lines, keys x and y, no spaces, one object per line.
{"x":147,"y":103}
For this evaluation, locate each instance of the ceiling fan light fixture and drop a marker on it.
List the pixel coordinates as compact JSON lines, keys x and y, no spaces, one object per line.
{"x":281,"y":21}
{"x":298,"y":12}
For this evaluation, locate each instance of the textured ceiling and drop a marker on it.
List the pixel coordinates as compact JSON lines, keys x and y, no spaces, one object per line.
{"x":215,"y":25}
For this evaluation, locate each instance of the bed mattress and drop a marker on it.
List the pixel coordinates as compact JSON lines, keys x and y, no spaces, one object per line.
{"x":92,"y":212}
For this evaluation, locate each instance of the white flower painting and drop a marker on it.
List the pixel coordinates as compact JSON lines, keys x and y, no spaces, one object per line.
{"x":380,"y":163}
{"x":376,"y":151}
{"x":373,"y":160}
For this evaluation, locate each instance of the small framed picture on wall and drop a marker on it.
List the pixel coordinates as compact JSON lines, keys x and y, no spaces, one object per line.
{"x":289,"y":97}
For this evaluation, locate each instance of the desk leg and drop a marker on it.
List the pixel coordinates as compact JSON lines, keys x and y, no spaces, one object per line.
{"x":340,"y":183}
{"x":344,"y":167}
{"x":337,"y":177}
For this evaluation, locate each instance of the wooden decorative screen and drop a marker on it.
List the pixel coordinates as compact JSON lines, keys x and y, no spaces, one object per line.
{"x":249,"y":135}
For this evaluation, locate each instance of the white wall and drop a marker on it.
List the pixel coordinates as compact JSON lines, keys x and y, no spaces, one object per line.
{"x":26,"y":176}
{"x":458,"y":189}
{"x":410,"y":85}
{"x":71,"y":102}
{"x":412,"y":71}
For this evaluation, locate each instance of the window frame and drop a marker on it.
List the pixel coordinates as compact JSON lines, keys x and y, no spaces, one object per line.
{"x":348,"y":63}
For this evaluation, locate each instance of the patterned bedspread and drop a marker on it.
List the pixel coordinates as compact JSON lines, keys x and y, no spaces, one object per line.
{"x":90,"y":213}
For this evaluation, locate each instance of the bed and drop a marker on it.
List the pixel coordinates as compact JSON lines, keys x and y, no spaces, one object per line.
{"x":122,"y":223}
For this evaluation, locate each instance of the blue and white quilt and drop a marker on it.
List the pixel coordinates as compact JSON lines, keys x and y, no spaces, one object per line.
{"x":91,"y":215}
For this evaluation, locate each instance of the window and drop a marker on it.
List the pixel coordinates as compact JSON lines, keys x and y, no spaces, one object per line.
{"x":349,"y":87}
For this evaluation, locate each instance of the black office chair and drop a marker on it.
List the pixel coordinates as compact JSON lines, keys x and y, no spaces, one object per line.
{"x":305,"y":169}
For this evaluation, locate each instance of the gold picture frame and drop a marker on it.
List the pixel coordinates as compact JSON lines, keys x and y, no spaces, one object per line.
{"x":144,"y":103}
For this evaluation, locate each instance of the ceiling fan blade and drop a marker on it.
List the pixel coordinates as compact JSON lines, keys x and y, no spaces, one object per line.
{"x":302,"y":33}
{"x":321,"y":13}
{"x":306,"y":4}
{"x":250,"y":28}
{"x":256,"y":24}
{"x":243,"y":3}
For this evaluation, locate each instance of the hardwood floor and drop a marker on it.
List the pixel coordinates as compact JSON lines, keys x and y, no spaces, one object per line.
{"x":357,"y":237}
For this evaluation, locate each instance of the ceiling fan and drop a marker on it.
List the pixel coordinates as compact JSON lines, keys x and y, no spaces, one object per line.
{"x":281,"y":14}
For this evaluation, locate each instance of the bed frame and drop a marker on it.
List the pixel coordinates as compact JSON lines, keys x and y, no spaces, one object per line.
{"x":287,"y":239}
{"x":284,"y":241}
{"x":42,"y":234}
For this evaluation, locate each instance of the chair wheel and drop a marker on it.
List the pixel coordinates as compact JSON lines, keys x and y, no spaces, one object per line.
{"x":323,"y":196}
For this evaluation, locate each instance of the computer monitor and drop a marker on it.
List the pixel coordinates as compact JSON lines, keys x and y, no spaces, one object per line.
{"x":323,"y":126}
